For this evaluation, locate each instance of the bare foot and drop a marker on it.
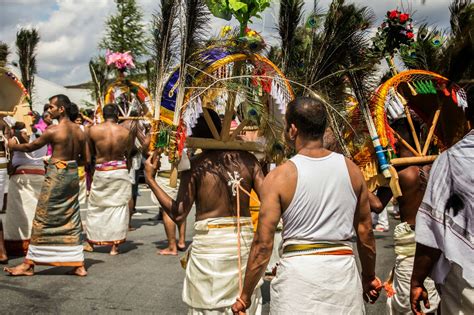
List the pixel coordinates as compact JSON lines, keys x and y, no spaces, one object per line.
{"x":88,"y":247}
{"x":3,"y":259}
{"x":78,"y":271}
{"x":114,"y":251}
{"x":20,"y":270}
{"x":182,"y":247}
{"x":167,"y":252}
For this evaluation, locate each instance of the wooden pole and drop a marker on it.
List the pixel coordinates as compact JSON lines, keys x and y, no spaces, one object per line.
{"x":239,"y":128}
{"x":213,"y":144}
{"x":210,"y":124}
{"x":229,"y":112}
{"x":413,"y":131}
{"x":413,"y":160}
{"x":432,"y":129}
{"x":406,"y":144}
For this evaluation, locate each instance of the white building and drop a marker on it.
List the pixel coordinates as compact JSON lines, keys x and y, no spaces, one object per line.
{"x":44,"y":89}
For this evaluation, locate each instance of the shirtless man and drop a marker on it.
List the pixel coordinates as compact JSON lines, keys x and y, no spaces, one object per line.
{"x":107,"y":217}
{"x":211,"y":281}
{"x":413,"y":181}
{"x":56,"y":233}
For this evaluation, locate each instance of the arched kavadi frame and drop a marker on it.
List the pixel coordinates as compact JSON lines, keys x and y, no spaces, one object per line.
{"x":428,"y":97}
{"x":129,"y":89}
{"x":211,"y":70}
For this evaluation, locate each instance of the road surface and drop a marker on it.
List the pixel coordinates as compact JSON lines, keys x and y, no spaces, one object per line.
{"x":137,"y":280}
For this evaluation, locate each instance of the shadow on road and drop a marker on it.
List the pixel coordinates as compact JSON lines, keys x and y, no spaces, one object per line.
{"x":61,"y":271}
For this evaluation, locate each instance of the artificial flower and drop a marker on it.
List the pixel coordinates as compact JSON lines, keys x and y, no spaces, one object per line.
{"x":410,"y":35}
{"x":392,"y":14}
{"x":404,"y":17}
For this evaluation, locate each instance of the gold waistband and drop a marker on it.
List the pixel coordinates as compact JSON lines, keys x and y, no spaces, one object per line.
{"x":318,"y":249}
{"x":3,"y":165}
{"x":227,"y":225}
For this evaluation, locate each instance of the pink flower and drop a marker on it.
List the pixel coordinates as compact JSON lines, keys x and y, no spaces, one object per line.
{"x":121,"y":60}
{"x":404,"y":17}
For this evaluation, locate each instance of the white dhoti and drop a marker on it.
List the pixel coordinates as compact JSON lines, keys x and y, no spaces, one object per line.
{"x":23,"y":191}
{"x":3,"y":179}
{"x":211,"y":284}
{"x":399,"y":303}
{"x":108,"y":215}
{"x":317,"y":284}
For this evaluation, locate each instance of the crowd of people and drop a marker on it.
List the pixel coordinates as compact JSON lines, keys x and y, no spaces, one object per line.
{"x":318,"y":195}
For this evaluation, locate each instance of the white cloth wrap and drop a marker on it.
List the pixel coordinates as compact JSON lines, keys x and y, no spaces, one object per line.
{"x":108,"y":214}
{"x":317,"y":284}
{"x":211,"y":284}
{"x":55,"y":254}
{"x":23,"y":193}
{"x":3,"y":180}
{"x":436,"y":224}
{"x":404,"y":239}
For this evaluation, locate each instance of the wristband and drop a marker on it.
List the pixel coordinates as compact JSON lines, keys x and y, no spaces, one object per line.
{"x":242,"y":302}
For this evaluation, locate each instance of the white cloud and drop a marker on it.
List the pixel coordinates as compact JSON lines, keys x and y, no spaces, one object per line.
{"x":71,"y":29}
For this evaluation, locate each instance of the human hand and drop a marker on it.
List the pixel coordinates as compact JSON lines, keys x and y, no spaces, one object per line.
{"x":239,"y":306}
{"x":371,"y":287}
{"x":418,"y":294}
{"x":152,"y":165}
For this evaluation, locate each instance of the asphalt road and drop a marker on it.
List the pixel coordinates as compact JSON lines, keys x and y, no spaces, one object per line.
{"x":137,"y":280}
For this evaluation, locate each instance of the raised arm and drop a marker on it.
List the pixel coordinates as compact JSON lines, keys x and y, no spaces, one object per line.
{"x":177,"y":209}
{"x":43,"y":140}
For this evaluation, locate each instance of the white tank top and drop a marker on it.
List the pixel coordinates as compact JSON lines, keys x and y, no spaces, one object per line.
{"x":31,"y":158}
{"x":324,"y":203}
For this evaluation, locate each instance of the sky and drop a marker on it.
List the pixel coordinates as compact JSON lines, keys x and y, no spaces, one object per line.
{"x":71,"y":29}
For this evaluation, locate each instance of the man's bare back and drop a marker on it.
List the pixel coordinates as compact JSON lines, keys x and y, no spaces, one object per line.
{"x":110,"y":141}
{"x":210,"y":176}
{"x":207,"y":185}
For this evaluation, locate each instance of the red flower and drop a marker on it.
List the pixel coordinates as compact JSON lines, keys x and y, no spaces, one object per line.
{"x":410,"y":35}
{"x":404,"y":17}
{"x":392,"y":14}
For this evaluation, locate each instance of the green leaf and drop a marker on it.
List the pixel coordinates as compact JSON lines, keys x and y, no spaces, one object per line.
{"x":237,"y":5}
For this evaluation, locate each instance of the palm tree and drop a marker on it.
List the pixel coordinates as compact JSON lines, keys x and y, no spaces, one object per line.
{"x":26,"y":42}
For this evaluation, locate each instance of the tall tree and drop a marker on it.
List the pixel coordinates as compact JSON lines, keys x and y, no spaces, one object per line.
{"x":125,"y":31}
{"x":26,"y":42}
{"x":4,"y":52}
{"x":290,"y":15}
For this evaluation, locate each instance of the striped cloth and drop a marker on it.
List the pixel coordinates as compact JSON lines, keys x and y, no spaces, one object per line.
{"x":445,"y":218}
